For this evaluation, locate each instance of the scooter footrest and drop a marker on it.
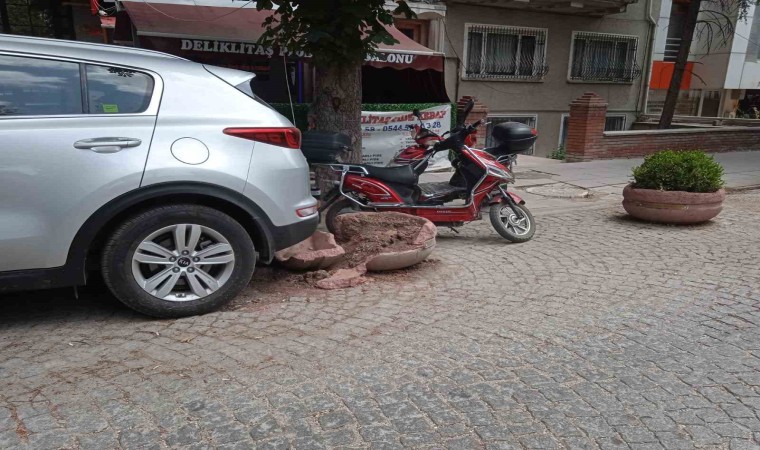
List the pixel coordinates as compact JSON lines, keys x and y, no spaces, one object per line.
{"x":440,"y":189}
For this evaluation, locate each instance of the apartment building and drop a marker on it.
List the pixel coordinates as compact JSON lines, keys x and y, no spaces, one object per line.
{"x":526,"y":60}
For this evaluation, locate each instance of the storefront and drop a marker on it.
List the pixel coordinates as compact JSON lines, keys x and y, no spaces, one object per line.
{"x":227,"y":36}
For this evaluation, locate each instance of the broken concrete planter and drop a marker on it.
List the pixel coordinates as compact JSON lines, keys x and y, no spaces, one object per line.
{"x":344,"y":278}
{"x":419,"y":238}
{"x":400,"y":260}
{"x":674,"y":207}
{"x":373,"y":241}
{"x":425,"y":241}
{"x":319,"y":251}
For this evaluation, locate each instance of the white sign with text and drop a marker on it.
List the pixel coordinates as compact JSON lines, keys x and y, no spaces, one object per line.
{"x":386,"y":133}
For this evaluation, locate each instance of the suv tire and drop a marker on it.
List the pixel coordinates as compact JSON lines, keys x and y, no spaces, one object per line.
{"x":148,"y":267}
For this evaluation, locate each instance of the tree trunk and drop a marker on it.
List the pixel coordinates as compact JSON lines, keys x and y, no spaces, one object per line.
{"x":338,"y":103}
{"x":5,"y":25}
{"x":690,"y":23}
{"x":337,"y":107}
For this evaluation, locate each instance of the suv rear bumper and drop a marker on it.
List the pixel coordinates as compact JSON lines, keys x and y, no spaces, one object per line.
{"x":288,"y":235}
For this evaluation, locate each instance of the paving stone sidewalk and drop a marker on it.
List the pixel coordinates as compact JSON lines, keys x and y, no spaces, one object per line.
{"x":600,"y":333}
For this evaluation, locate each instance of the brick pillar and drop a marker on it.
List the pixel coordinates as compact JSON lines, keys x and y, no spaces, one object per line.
{"x":585,"y":128}
{"x":479,"y":111}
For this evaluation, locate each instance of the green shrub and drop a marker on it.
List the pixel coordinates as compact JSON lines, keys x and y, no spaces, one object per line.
{"x":690,"y":171}
{"x":559,"y":153}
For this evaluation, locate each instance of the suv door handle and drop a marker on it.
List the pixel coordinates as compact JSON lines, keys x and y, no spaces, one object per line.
{"x":107,"y":144}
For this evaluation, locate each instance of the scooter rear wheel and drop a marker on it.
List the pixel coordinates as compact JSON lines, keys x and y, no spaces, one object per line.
{"x":342,"y":206}
{"x":511,"y":227}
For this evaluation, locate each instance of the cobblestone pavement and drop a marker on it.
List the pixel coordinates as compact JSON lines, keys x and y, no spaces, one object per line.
{"x":599,"y":333}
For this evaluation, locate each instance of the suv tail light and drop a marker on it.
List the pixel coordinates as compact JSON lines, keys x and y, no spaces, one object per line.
{"x":308,"y":211}
{"x":282,"y":137}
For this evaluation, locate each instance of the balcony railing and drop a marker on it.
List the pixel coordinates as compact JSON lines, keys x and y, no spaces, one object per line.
{"x":593,"y":8}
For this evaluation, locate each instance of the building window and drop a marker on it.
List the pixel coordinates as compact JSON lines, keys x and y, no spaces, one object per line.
{"x":37,"y":18}
{"x":416,"y":30}
{"x":530,"y":120}
{"x":612,"y":122}
{"x":505,"y":53}
{"x":601,"y":57}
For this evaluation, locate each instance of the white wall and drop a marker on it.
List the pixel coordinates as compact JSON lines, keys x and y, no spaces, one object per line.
{"x":738,"y":53}
{"x":750,"y":78}
{"x":663,"y":19}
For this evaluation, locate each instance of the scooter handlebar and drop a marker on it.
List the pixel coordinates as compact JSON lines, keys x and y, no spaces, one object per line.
{"x":456,"y":139}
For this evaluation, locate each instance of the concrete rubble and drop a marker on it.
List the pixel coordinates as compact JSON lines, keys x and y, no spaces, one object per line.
{"x":363,"y":241}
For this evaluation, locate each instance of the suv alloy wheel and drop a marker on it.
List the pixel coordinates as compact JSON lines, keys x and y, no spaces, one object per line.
{"x":178,"y":260}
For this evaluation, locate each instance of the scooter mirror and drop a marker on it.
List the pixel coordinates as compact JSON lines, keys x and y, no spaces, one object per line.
{"x":467,"y":108}
{"x":416,"y":113}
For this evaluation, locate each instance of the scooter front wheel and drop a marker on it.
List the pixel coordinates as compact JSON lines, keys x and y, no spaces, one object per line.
{"x":340,"y":207}
{"x":509,"y":225}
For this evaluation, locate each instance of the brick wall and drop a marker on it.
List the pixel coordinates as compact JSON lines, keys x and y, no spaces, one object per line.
{"x":587,"y":140}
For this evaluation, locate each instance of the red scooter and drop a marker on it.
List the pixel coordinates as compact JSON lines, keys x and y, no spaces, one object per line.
{"x":479,"y":180}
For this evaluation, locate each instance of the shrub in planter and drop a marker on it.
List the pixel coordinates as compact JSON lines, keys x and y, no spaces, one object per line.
{"x":676,"y":187}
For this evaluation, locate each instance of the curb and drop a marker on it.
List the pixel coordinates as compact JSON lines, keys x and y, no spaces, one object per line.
{"x":752,"y":187}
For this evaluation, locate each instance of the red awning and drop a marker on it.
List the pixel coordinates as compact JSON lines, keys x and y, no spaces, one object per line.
{"x":198,"y":32}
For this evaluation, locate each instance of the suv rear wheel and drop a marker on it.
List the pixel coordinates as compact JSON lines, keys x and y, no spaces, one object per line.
{"x":178,"y":260}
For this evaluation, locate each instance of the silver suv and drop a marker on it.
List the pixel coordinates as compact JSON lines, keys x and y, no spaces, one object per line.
{"x":170,"y":177}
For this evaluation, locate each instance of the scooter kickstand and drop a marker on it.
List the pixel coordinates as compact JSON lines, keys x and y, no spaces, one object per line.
{"x":454,"y":230}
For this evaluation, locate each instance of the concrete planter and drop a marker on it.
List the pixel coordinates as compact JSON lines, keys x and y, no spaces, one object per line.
{"x":675,"y":207}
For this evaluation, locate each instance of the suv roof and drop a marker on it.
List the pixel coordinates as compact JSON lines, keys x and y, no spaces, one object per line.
{"x":83,"y":50}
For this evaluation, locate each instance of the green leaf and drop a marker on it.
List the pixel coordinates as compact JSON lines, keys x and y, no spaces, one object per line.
{"x":335,"y":32}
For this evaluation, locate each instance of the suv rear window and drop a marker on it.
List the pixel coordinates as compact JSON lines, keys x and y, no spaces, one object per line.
{"x":39,"y":87}
{"x":246,"y":88}
{"x":112,"y":90}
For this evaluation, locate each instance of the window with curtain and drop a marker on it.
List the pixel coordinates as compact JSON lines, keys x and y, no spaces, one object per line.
{"x":602,"y":57}
{"x":497,"y":52}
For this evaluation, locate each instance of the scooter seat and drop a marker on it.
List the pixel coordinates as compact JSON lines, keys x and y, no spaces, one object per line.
{"x":403,"y":175}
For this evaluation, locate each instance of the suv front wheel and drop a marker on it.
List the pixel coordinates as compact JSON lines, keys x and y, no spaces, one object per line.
{"x":178,"y":260}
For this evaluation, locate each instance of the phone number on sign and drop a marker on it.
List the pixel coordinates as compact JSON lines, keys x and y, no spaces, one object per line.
{"x":429,"y":125}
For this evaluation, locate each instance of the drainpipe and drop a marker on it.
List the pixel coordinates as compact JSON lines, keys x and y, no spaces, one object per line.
{"x":456,"y":85}
{"x":641,"y":108}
